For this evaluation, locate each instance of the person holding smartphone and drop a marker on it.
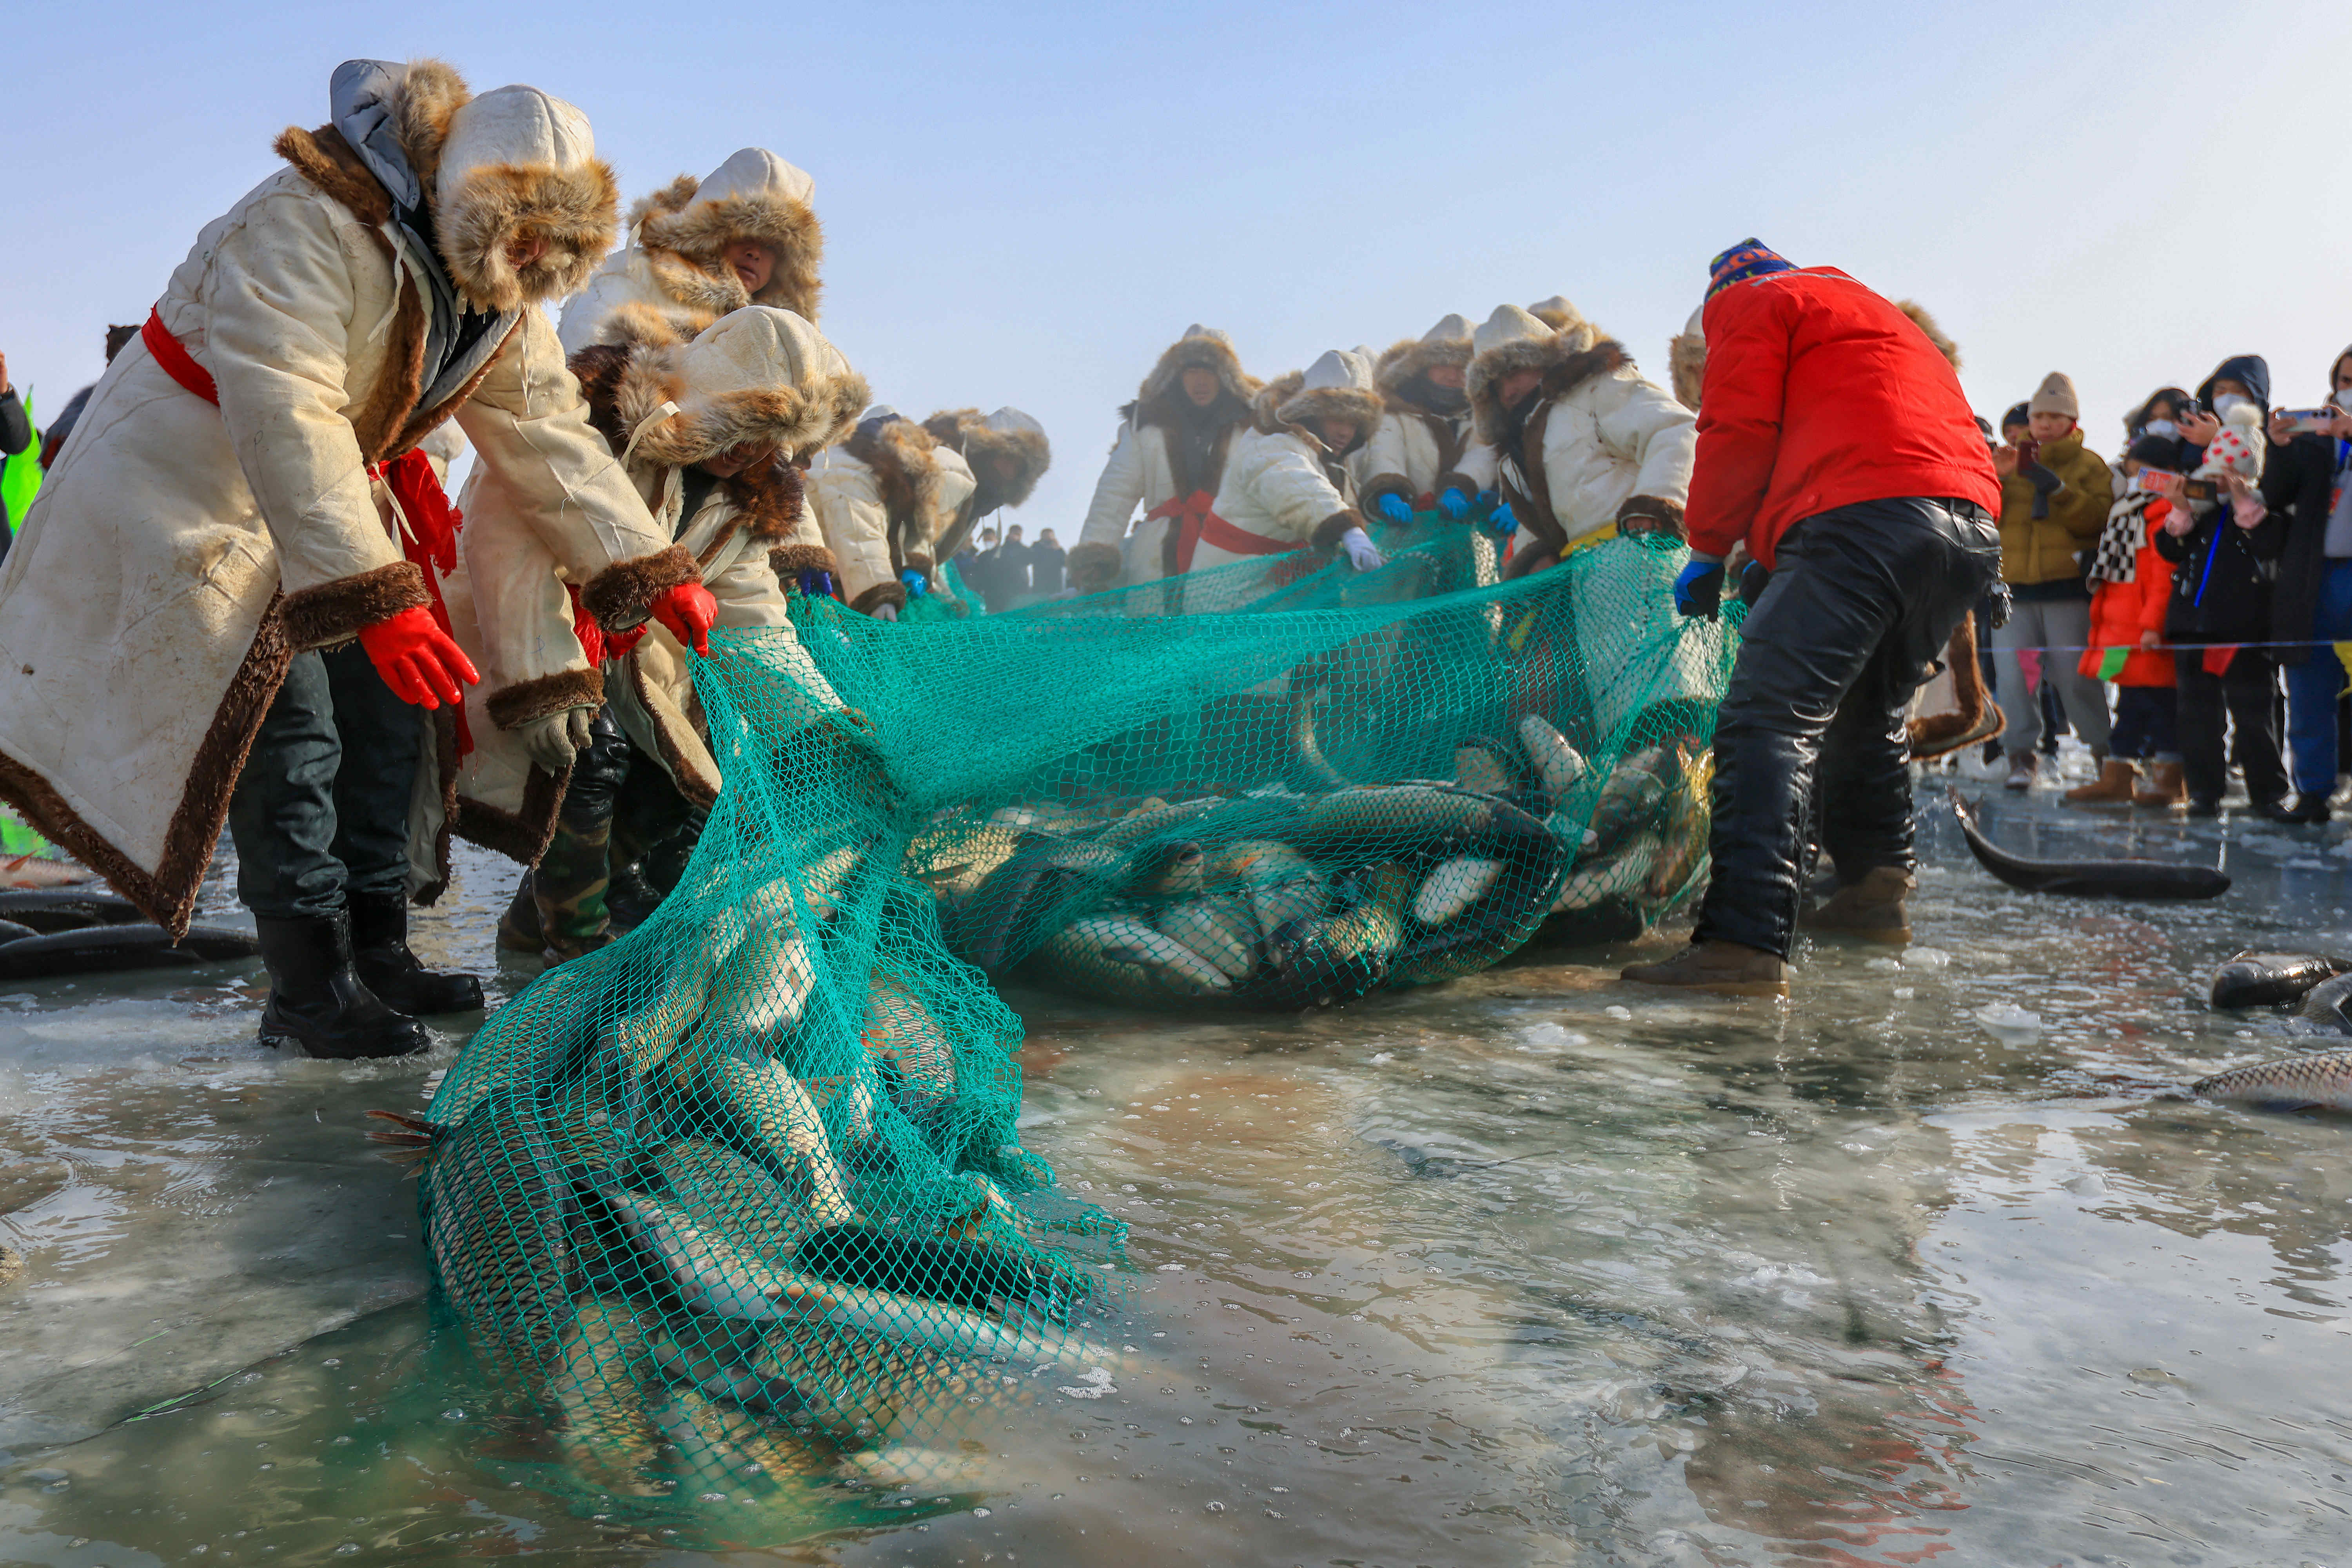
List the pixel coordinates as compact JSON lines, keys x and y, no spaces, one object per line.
{"x":2309,"y":480}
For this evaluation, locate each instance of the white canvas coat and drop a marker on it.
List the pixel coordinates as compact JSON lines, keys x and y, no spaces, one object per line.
{"x":846,"y":493}
{"x":181,"y":554}
{"x":1276,"y":486}
{"x":1611,"y":438}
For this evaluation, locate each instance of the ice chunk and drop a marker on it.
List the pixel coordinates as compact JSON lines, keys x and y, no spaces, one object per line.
{"x":1926,"y":958}
{"x":2009,"y":1023}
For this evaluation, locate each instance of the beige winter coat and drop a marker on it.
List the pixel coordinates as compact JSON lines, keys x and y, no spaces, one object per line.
{"x":180,"y":553}
{"x":758,"y":375}
{"x":883,"y":498}
{"x":1145,"y":461}
{"x":1602,"y":445}
{"x":1284,"y":489}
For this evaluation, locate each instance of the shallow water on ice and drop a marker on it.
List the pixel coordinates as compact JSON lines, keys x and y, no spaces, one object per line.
{"x":1534,"y":1269}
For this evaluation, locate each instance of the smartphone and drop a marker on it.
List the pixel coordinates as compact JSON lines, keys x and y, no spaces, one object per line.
{"x":2310,"y":421}
{"x":2159,"y":481}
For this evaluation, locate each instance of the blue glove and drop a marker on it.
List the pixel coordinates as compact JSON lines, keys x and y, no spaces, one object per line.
{"x":1502,"y":522}
{"x":1454,"y":505}
{"x":1699,"y":590}
{"x":816,"y":584}
{"x":1392,"y":507}
{"x":917,"y":583}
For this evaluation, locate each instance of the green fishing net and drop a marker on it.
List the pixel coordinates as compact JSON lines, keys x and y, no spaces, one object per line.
{"x":736,"y":1206}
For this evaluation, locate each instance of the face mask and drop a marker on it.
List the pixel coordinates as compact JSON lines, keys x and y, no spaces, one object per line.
{"x":2343,"y":398}
{"x":2160,"y":427}
{"x":2227,"y":402}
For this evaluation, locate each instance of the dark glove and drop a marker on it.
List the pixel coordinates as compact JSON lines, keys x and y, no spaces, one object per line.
{"x":816,"y":584}
{"x":1698,"y":591}
{"x":917,"y":583}
{"x":1752,"y":580}
{"x":2045,"y":485}
{"x":1393,"y":509}
{"x":1998,"y":604}
{"x":1454,"y":505}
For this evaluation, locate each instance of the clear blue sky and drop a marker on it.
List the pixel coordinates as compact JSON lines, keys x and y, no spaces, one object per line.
{"x":1024,"y":204}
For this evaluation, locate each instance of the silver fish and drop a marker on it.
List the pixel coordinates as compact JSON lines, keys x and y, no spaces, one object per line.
{"x":1197,"y":927}
{"x":774,"y":1110}
{"x":1482,"y":765}
{"x":1124,"y":941}
{"x":1454,"y":887}
{"x":2322,"y":1080}
{"x":1556,"y":762}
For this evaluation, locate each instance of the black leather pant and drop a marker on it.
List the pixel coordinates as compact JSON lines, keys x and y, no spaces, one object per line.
{"x":1861,"y":599}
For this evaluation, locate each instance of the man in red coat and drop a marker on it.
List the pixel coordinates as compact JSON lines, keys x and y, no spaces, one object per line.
{"x":1834,"y":440}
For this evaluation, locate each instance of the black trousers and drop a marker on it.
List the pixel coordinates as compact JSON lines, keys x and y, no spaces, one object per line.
{"x":1861,"y":599}
{"x":2246,"y":693}
{"x":321,"y":808}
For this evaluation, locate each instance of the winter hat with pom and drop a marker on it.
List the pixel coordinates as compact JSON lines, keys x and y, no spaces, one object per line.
{"x":1747,"y":260}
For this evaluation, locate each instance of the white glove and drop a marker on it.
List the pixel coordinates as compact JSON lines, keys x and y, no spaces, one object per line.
{"x":1362,"y":553}
{"x":553,"y":740}
{"x":886,"y":612}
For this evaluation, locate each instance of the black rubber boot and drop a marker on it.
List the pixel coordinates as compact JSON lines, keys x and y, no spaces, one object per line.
{"x":318,"y":1003}
{"x":379,"y":953}
{"x":519,"y":927}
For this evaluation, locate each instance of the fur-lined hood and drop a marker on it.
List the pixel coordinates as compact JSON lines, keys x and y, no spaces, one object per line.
{"x":1007,"y":433}
{"x":1936,"y":334}
{"x":1408,"y":359}
{"x":1336,"y":386}
{"x":686,"y":227}
{"x":1687,"y":360}
{"x":905,"y":459}
{"x":1162,"y":401}
{"x":514,"y":163}
{"x":1511,"y":341}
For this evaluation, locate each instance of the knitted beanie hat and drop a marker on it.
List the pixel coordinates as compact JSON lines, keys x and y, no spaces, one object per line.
{"x":2056,"y":395}
{"x":1747,"y":260}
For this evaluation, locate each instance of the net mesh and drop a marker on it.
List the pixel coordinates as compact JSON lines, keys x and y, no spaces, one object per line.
{"x":739,"y":1200}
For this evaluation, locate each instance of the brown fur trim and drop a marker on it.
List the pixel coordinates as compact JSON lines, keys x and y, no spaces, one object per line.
{"x":1161,"y":400}
{"x":1272,"y":397}
{"x":699,"y":791}
{"x":622,"y":595}
{"x":903,"y":457}
{"x":1686,"y":367}
{"x":1368,"y":498}
{"x":1327,"y":531}
{"x":1333,"y":402}
{"x":1975,"y":719}
{"x":428,"y":99}
{"x":598,"y":368}
{"x":1926,"y":324}
{"x":522,"y":834}
{"x":335,"y":612}
{"x":893,"y":594}
{"x":1664,"y":516}
{"x":1453,"y":480}
{"x":1094,"y":568}
{"x":1568,"y":361}
{"x":966,"y":430}
{"x":793,"y":419}
{"x":169,"y":896}
{"x":789,"y":561}
{"x":512,"y":707}
{"x":1409,"y":360}
{"x":769,"y":499}
{"x":390,"y":403}
{"x":670,"y":199}
{"x":327,"y":160}
{"x":698,"y":233}
{"x":917,"y":561}
{"x":575,"y":210}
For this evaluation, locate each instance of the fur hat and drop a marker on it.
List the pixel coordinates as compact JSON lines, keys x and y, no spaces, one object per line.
{"x":1007,"y":433}
{"x":1510,"y":341}
{"x":1408,"y":359}
{"x":517,"y":163}
{"x":2055,"y":396}
{"x":756,"y":375}
{"x":1555,"y":313}
{"x":1205,"y":348}
{"x":686,"y":227}
{"x":1339,"y":386}
{"x":1687,"y":360}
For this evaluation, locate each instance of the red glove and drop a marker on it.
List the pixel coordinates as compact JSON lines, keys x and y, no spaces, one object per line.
{"x":618,"y":644}
{"x":418,"y":659}
{"x":687,"y":610}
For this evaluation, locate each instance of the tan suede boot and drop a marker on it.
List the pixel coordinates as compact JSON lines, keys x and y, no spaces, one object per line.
{"x":2166,"y":788}
{"x":1873,"y":909}
{"x":1724,"y":967}
{"x":2114,"y":786}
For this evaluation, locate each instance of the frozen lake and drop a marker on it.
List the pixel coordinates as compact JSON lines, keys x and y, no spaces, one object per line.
{"x":1532,"y":1269}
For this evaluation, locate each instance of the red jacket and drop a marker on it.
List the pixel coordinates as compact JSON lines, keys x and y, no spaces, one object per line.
{"x":1819,"y":394}
{"x":2121,"y":611}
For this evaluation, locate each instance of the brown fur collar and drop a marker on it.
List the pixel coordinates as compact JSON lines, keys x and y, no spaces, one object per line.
{"x":1568,"y":361}
{"x":965,"y":430}
{"x":1686,"y":367}
{"x":1161,"y":400}
{"x":1094,"y":568}
{"x":905,"y":472}
{"x":627,"y":382}
{"x":512,"y":707}
{"x":685,"y":244}
{"x":1284,"y":406}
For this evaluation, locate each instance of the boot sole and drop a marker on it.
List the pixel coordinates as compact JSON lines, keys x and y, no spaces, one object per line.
{"x":1718,"y":987}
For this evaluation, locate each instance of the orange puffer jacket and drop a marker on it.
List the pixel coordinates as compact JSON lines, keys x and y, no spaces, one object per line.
{"x":2120,"y":612}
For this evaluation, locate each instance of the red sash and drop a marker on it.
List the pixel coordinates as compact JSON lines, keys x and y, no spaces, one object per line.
{"x":1197,"y":524}
{"x":430,"y":539}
